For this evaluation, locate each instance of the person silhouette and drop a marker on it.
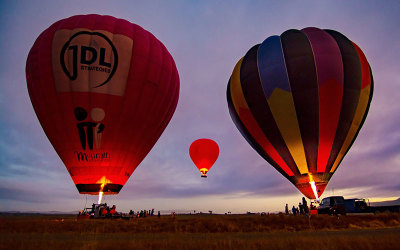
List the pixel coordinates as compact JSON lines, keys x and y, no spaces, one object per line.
{"x":294,"y":210}
{"x":305,"y":206}
{"x":301,"y":208}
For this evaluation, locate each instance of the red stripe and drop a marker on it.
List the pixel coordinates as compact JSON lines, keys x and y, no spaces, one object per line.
{"x":366,"y":72}
{"x":329,"y":66}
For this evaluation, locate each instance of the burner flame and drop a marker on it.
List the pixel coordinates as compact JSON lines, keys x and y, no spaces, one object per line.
{"x":313,"y":186}
{"x":101,"y":193}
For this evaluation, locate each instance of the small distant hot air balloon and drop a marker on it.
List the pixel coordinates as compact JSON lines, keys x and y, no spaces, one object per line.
{"x":104,"y":90}
{"x":204,"y":153}
{"x":300,"y":100}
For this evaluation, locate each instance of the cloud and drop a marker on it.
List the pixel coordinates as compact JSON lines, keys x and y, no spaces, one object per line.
{"x":19,"y":194}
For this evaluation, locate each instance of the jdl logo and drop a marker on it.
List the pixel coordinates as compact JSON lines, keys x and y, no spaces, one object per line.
{"x":88,"y":56}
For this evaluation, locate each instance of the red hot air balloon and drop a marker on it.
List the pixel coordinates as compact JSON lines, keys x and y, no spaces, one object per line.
{"x":104,"y":90}
{"x":300,"y":100}
{"x":204,"y":153}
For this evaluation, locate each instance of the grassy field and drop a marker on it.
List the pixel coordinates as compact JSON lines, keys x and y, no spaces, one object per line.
{"x":201,"y":232}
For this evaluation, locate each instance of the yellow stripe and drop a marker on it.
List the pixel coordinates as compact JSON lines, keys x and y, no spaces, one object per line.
{"x":360,"y":111}
{"x":236,"y":89}
{"x":282,"y":107}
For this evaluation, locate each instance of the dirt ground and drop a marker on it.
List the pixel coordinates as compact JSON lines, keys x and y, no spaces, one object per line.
{"x":18,"y":231}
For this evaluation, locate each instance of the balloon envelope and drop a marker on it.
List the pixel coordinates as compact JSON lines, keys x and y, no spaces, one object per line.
{"x":204,"y":153}
{"x":300,"y":99}
{"x":104,"y":90}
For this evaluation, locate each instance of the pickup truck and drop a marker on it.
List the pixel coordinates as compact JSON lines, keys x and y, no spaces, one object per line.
{"x":332,"y":205}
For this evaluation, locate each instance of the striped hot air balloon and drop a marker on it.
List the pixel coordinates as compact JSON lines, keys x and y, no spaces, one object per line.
{"x":300,"y":99}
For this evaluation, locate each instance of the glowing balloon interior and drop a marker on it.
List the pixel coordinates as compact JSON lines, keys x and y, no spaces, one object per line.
{"x":204,"y":153}
{"x":104,"y":90}
{"x":299,"y":100}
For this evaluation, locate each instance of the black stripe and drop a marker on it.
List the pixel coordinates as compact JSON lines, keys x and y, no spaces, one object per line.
{"x":302,"y":74}
{"x":351,"y":92}
{"x":255,"y":98}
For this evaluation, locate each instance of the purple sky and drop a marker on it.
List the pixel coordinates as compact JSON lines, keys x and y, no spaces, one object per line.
{"x":206,"y":39}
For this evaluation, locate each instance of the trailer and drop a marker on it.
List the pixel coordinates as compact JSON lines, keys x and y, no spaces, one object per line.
{"x":357,"y":205}
{"x":335,"y":205}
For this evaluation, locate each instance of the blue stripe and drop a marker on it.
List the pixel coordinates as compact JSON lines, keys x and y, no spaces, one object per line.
{"x":271,"y":66}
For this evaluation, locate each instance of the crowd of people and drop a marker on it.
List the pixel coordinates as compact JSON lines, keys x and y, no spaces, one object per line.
{"x":301,"y":209}
{"x":143,"y":213}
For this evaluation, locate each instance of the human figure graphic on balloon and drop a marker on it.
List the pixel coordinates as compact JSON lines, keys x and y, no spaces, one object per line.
{"x":97,"y":115}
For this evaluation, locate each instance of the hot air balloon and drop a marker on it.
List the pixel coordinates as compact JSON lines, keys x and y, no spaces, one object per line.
{"x":300,"y":100}
{"x":204,"y":153}
{"x":104,"y":90}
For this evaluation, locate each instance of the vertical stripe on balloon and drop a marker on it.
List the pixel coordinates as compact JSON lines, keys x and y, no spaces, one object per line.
{"x":362,"y":107}
{"x":256,"y":100}
{"x":329,"y":67}
{"x":300,"y":66}
{"x":351,"y":92}
{"x":276,"y":88}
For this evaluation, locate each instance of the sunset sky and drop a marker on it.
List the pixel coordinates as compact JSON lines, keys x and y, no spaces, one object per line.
{"x":206,"y":39}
